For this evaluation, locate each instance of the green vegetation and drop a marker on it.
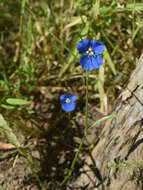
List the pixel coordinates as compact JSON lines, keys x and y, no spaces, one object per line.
{"x":39,"y":61}
{"x":132,"y":168}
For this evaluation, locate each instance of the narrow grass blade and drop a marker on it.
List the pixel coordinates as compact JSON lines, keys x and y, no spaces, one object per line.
{"x":129,"y":7}
{"x":101,"y":88}
{"x":107,"y":39}
{"x":137,"y":6}
{"x":100,"y":120}
{"x":75,"y":20}
{"x":23,"y":3}
{"x":109,"y":61}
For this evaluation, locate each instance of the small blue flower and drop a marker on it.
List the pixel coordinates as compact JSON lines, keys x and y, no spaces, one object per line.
{"x":67,"y":102}
{"x":90,"y":51}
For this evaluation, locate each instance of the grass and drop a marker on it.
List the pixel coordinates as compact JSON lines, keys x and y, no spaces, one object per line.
{"x":132,"y":168}
{"x":37,"y":50}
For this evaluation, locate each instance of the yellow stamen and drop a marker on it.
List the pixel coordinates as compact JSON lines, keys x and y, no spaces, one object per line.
{"x":68,"y":100}
{"x":91,"y":53}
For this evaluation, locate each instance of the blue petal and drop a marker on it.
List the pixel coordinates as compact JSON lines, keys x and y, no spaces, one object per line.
{"x":90,"y":62}
{"x":82,"y":46}
{"x":97,"y":61}
{"x":86,"y":63}
{"x":72,"y":97}
{"x":68,"y":106}
{"x":97,"y":46}
{"x":62,"y":98}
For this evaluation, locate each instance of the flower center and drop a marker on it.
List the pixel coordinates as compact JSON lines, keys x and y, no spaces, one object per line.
{"x":67,"y":100}
{"x":89,"y":51}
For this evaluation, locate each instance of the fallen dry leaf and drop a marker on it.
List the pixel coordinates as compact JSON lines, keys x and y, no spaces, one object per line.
{"x":6,"y":146}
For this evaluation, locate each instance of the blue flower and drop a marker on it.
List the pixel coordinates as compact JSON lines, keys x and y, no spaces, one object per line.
{"x":67,"y":102}
{"x":90,"y":51}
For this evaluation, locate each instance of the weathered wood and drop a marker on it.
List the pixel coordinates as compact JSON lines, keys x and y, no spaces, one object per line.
{"x":116,"y":161}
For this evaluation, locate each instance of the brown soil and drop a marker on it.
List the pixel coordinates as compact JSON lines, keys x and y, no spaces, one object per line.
{"x":50,"y":153}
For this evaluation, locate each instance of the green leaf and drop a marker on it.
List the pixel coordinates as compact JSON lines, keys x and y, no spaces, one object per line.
{"x":8,"y":107}
{"x":7,"y":131}
{"x":100,"y":120}
{"x":15,"y":101}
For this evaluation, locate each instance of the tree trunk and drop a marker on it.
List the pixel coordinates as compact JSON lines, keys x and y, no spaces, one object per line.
{"x":116,"y":163}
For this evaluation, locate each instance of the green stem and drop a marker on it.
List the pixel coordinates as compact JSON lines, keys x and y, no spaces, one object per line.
{"x":86,"y":103}
{"x":73,"y":162}
{"x":69,"y":116}
{"x":83,"y":138}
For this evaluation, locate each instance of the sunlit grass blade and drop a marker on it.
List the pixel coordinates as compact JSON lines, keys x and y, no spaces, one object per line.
{"x":101,"y":88}
{"x":137,"y":6}
{"x":76,"y":20}
{"x":136,"y":31}
{"x":109,"y":61}
{"x":129,"y":7}
{"x":100,"y":120}
{"x":23,"y":3}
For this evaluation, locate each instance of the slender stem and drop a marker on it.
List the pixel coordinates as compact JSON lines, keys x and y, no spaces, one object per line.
{"x":73,"y":162}
{"x":86,"y":103}
{"x":69,"y":116}
{"x":83,"y":138}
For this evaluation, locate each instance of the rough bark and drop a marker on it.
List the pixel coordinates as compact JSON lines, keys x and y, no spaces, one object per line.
{"x":116,"y":163}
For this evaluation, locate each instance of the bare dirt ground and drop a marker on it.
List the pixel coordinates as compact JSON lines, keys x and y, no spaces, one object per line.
{"x":50,"y":152}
